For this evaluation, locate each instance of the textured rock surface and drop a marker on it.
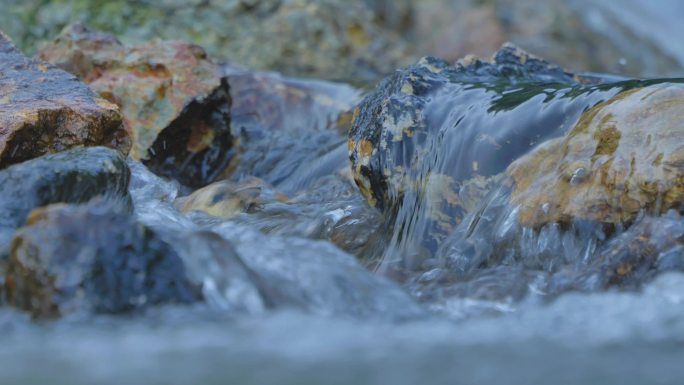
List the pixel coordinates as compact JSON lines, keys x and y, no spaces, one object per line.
{"x":44,"y":110}
{"x":91,"y":258}
{"x":174,"y":99}
{"x":72,"y":176}
{"x":623,"y":156}
{"x":329,"y":209}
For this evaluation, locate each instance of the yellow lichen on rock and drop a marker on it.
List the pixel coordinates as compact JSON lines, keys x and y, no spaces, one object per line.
{"x":623,"y":156}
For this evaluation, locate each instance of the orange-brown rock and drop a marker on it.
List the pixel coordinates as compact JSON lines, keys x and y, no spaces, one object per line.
{"x":45,"y":110}
{"x":227,"y":199}
{"x":174,"y":99}
{"x":624,"y":156}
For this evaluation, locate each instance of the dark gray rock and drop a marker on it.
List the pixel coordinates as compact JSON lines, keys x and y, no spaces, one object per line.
{"x":93,"y":257}
{"x":73,"y":176}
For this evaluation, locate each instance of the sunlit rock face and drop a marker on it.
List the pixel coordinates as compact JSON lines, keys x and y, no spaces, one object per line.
{"x":174,"y":100}
{"x":45,"y":110}
{"x":197,"y":121}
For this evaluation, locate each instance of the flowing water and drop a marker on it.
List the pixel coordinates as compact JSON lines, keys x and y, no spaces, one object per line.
{"x":288,"y":297}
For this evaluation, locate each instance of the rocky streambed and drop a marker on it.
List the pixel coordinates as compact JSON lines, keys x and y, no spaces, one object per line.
{"x":168,"y":218}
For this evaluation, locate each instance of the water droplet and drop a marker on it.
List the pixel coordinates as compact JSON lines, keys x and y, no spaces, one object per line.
{"x":578,"y":176}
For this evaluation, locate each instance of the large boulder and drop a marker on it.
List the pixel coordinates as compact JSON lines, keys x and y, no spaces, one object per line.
{"x":44,"y":110}
{"x":73,"y":176}
{"x":173,"y":98}
{"x":92,"y":258}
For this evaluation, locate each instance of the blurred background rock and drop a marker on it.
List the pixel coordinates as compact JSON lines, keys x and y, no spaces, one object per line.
{"x":359,"y":41}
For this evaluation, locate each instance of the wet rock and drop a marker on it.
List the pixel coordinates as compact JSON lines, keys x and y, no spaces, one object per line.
{"x":286,"y":271}
{"x":425,"y":142}
{"x":92,"y":258}
{"x":212,"y":263}
{"x":391,"y":124}
{"x":173,"y":98}
{"x":72,"y":176}
{"x":329,"y":209}
{"x":317,"y":278}
{"x":227,"y":199}
{"x":624,"y":156}
{"x":45,"y":110}
{"x":487,"y":266}
{"x":651,"y":246}
{"x":589,"y":208}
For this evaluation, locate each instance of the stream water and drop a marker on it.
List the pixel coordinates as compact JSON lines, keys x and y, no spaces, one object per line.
{"x":323,"y":288}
